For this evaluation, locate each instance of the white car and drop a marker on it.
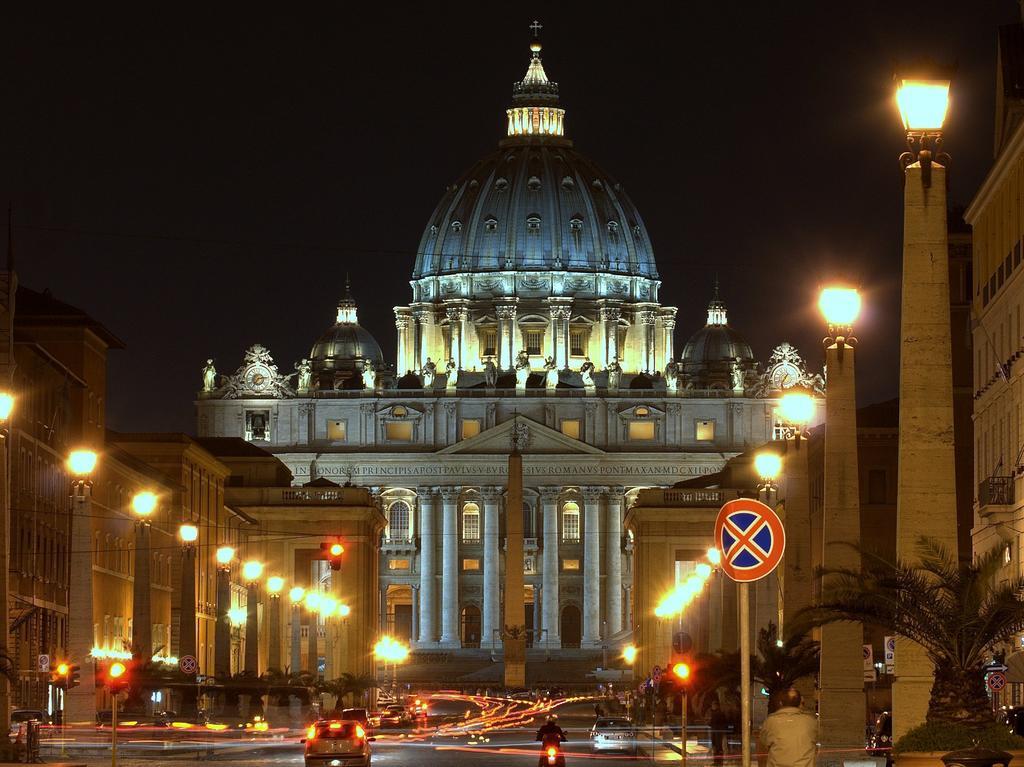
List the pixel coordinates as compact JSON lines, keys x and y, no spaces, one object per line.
{"x":613,"y":734}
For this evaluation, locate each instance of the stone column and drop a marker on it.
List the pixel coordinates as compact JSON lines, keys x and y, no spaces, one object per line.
{"x":428,"y":568}
{"x":613,"y":549}
{"x":610,"y":329}
{"x":415,"y":612}
{"x":405,"y":326}
{"x":796,"y":572}
{"x":274,"y":632}
{"x":561,"y":311}
{"x":142,"y":618}
{"x":454,"y":315}
{"x":450,"y":568}
{"x":552,"y":627}
{"x":424,"y":336}
{"x":252,"y":629}
{"x":187,"y":621}
{"x":841,"y":703}
{"x":491,"y":616}
{"x":538,"y":636}
{"x":592,"y":566}
{"x":668,"y":327}
{"x":222,"y":631}
{"x":926,"y":494}
{"x":506,"y":334}
{"x":80,"y":702}
{"x":296,"y":648}
{"x":382,"y":610}
{"x":648,"y":318}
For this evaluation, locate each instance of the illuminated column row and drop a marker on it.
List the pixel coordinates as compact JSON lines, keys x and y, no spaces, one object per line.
{"x":648,"y":319}
{"x":506,"y":314}
{"x":592,"y":566}
{"x":406,"y":327}
{"x":450,"y":568}
{"x":610,"y":331}
{"x":550,"y":607}
{"x":536,"y":120}
{"x":454,"y":315}
{"x":561,"y":311}
{"x":491,"y":614}
{"x":427,"y":634}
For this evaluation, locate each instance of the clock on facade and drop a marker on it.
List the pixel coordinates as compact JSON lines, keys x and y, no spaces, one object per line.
{"x":784,"y":375}
{"x":257,"y":377}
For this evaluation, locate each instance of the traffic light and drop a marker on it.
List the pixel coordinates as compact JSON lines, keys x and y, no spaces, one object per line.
{"x":115,"y":677}
{"x":74,"y":678}
{"x":59,"y":675}
{"x":333,"y":551}
{"x":681,"y":667}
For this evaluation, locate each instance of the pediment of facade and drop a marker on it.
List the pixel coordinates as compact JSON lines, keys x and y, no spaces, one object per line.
{"x":539,"y":439}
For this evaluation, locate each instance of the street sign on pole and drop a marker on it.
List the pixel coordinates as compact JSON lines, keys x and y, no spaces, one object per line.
{"x":996,"y":681}
{"x":890,"y":655}
{"x":44,"y":663}
{"x":869,"y":663}
{"x":751,"y":539}
{"x":188,"y":665}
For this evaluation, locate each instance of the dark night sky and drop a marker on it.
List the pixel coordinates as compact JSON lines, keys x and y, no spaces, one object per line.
{"x":200,"y":180}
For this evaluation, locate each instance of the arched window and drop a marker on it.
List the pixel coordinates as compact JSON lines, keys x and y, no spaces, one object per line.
{"x":471,"y":522}
{"x":398,"y":521}
{"x":528,"y":531}
{"x":571,"y":521}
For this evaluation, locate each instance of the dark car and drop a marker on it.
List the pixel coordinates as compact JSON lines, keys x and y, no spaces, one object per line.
{"x":1013,"y":718}
{"x":357,"y":715}
{"x":880,"y":740}
{"x":395,"y":715}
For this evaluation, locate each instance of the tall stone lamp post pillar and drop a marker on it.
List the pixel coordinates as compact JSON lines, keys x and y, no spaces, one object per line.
{"x":274,"y":585}
{"x":188,"y":533}
{"x":143,"y":506}
{"x":222,"y":632}
{"x":296,"y":596}
{"x":80,"y":701}
{"x":926,"y":485}
{"x":841,"y":704}
{"x":6,"y":406}
{"x":252,"y":571}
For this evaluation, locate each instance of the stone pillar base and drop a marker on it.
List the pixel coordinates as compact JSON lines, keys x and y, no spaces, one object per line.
{"x":449,"y":644}
{"x":841,"y":721}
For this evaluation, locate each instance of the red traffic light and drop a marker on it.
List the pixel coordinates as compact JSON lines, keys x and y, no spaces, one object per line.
{"x":333,"y":551}
{"x":681,"y":671}
{"x":337,"y":550}
{"x":115,"y":677}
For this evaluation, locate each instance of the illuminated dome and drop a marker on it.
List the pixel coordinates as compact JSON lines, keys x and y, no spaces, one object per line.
{"x":535,"y":204}
{"x":346,"y":345}
{"x":716,"y":348}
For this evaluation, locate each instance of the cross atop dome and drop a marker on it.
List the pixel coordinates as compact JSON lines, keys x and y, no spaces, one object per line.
{"x":716,"y":308}
{"x":347,"y":305}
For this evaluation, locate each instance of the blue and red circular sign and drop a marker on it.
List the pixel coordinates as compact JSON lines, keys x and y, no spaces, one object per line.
{"x":996,"y":681}
{"x":751,"y":538}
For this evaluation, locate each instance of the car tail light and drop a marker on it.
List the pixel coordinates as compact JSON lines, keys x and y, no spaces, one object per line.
{"x":552,"y":752}
{"x":360,"y":732}
{"x":335,"y":725}
{"x":311,"y":732}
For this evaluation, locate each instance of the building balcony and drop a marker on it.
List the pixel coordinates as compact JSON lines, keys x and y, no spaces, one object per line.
{"x":996,"y":491}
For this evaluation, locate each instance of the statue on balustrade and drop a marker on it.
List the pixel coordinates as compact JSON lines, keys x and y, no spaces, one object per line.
{"x":209,"y":376}
{"x":672,"y":375}
{"x":587,"y":372}
{"x":429,"y":372}
{"x":451,"y":371}
{"x":551,"y":377}
{"x":614,"y":370}
{"x":369,"y":376}
{"x":490,"y":373}
{"x":522,"y":369}
{"x":305,"y":372}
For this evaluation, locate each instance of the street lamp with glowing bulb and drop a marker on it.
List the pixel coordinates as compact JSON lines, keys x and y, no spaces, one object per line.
{"x":252,"y":570}
{"x":629,"y":653}
{"x":922,"y":96}
{"x":768,"y":466}
{"x":296,"y":594}
{"x":6,"y":405}
{"x":344,"y":610}
{"x":237,"y":616}
{"x":275,"y":583}
{"x":144,"y":504}
{"x":225,"y":554}
{"x":840,"y":307}
{"x":188,"y":533}
{"x":81,"y":463}
{"x":714,"y":556}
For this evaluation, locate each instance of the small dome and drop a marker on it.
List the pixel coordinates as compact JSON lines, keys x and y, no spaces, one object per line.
{"x":716,"y":343}
{"x":346,"y":345}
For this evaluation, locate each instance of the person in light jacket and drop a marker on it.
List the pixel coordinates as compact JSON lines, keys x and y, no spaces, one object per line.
{"x":790,"y":734}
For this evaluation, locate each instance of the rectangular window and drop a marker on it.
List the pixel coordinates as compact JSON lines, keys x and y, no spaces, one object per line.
{"x":571,"y":427}
{"x":577,"y":342}
{"x":336,"y":431}
{"x":876,"y":486}
{"x":705,"y":431}
{"x":570,"y":564}
{"x":398,"y":431}
{"x":470,"y":427}
{"x":488,"y":342}
{"x":398,"y":564}
{"x":470,"y":564}
{"x":641,"y":431}
{"x":534,"y":338}
{"x":529,"y":564}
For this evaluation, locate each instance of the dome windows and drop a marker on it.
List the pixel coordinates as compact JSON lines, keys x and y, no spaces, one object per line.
{"x":533,"y":224}
{"x":613,"y":231}
{"x":490,"y":224}
{"x":596,"y":183}
{"x":456,"y":226}
{"x":568,"y":183}
{"x":533,"y":184}
{"x":501,"y":184}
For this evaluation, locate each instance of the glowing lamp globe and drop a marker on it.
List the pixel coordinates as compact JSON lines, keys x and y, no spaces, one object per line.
{"x":923,"y":103}
{"x":312,"y":601}
{"x":344,"y":611}
{"x":768,"y":465}
{"x":225,"y":554}
{"x":703,"y":570}
{"x":796,"y":408}
{"x":629,"y":653}
{"x":188,"y":533}
{"x":82,"y":462}
{"x":840,"y":306}
{"x":237,"y":616}
{"x":144,"y":503}
{"x":274,"y":584}
{"x":296,"y":594}
{"x":252,"y":570}
{"x":6,"y":405}
{"x":714,"y":556}
{"x":337,"y":549}
{"x":327,"y":606}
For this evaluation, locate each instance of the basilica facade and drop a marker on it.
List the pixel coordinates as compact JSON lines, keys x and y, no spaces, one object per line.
{"x":535,"y":311}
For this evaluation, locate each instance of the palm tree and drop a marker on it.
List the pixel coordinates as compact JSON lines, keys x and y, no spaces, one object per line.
{"x":780,"y":666}
{"x":956,"y":611}
{"x":355,"y":685}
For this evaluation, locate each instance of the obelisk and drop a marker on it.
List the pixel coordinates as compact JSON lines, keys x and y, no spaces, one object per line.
{"x":513,"y":633}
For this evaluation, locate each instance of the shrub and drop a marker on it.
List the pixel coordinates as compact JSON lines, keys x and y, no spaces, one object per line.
{"x":943,"y":737}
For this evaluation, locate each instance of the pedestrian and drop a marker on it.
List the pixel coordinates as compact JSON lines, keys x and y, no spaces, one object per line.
{"x":789,"y":734}
{"x":719,"y":724}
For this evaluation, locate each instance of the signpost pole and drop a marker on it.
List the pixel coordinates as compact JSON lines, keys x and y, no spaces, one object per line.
{"x":744,"y":595}
{"x":682,"y":733}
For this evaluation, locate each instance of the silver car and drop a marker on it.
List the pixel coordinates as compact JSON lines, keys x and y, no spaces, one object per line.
{"x":613,"y":734}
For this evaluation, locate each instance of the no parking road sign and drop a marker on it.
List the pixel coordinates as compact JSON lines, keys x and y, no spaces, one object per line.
{"x":996,"y":681}
{"x":188,"y":665}
{"x":751,"y":538}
